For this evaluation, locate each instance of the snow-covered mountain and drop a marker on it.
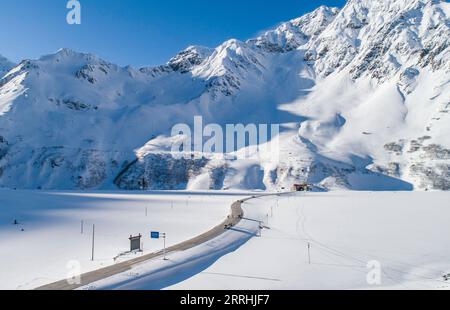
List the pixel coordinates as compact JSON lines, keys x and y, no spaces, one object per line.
{"x":362,"y":93}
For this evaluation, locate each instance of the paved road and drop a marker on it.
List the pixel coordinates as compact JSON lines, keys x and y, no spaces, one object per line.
{"x":233,"y":219}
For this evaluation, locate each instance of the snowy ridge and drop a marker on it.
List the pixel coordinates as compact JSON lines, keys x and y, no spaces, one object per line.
{"x":295,"y":33}
{"x":192,"y":56}
{"x":362,"y":94}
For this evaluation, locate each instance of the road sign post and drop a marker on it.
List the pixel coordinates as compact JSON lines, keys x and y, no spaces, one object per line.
{"x":93,"y":241}
{"x":154,"y":235}
{"x":158,"y":235}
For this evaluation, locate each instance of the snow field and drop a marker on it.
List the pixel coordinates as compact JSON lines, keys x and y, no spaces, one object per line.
{"x":52,"y":228}
{"x":406,"y":233}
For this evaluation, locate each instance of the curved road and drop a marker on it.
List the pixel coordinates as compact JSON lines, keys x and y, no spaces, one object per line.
{"x":233,"y":219}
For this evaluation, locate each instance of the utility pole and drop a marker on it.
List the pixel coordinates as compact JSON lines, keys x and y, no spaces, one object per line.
{"x":164,"y":251}
{"x":146,"y":211}
{"x":82,"y":227}
{"x":309,"y":253}
{"x":93,"y":241}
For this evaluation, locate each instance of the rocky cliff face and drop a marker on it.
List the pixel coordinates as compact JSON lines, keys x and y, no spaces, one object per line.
{"x":362,"y":93}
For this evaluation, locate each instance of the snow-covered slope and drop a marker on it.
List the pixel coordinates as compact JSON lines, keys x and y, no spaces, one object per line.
{"x":363,"y":95}
{"x":350,"y":235}
{"x":50,"y":219}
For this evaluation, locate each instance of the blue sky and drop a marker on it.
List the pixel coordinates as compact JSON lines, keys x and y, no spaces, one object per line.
{"x":138,"y":32}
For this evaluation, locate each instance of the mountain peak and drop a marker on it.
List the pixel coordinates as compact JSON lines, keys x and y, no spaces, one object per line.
{"x":66,"y":51}
{"x":67,"y":54}
{"x":297,"y":32}
{"x":321,"y":11}
{"x":190,"y":57}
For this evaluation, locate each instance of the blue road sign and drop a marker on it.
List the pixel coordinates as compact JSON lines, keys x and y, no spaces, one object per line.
{"x":154,"y":235}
